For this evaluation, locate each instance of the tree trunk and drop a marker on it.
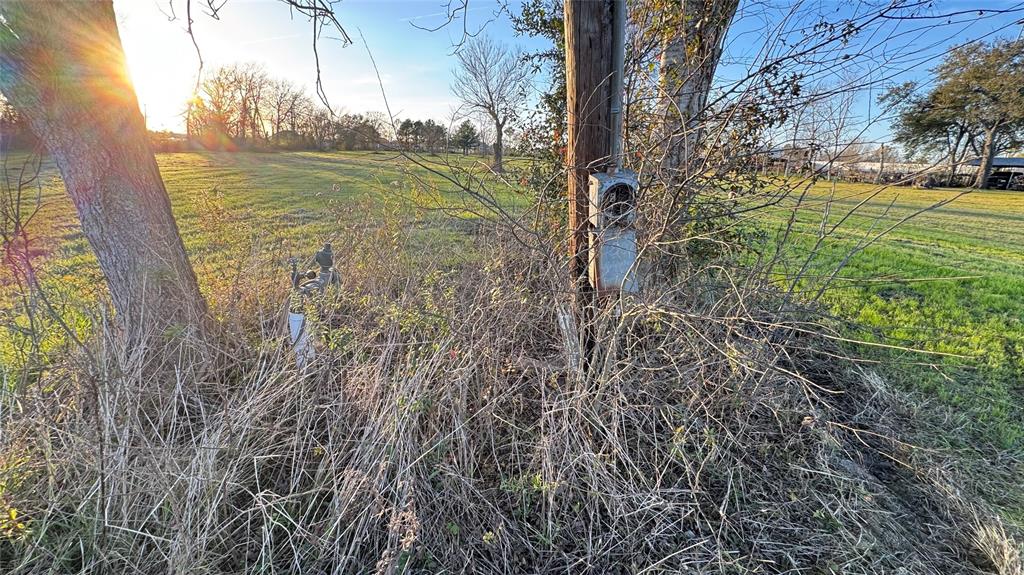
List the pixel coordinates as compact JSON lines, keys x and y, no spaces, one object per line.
{"x":881,"y":163}
{"x":242,"y":118}
{"x":691,"y":49}
{"x":499,"y":129}
{"x":987,"y":155}
{"x":951,"y":148}
{"x":64,"y":69}
{"x":952,"y":169}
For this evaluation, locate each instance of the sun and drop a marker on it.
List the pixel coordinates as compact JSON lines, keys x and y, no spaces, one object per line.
{"x":161,"y":61}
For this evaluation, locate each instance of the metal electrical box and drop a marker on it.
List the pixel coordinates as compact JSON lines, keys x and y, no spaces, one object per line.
{"x":613,"y":233}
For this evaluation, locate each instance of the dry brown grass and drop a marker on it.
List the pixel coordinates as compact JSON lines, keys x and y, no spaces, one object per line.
{"x":445,"y":431}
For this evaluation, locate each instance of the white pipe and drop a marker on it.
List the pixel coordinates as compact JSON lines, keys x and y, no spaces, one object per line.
{"x":302,"y":343}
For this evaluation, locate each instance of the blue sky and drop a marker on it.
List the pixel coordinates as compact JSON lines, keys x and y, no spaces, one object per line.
{"x":889,"y":51}
{"x":415,"y":65}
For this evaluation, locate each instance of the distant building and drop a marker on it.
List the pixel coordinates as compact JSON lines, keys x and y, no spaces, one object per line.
{"x":1007,"y":173}
{"x":855,"y":167}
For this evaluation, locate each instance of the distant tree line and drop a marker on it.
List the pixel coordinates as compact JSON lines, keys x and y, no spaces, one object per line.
{"x":429,"y":136}
{"x":969,"y":111}
{"x":241,"y":107}
{"x":432,"y":137}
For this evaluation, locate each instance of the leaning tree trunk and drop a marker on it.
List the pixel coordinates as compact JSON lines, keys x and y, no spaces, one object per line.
{"x":692,"y":46}
{"x":953,"y":159}
{"x":987,"y":155}
{"x":952,"y":169}
{"x":63,"y":67}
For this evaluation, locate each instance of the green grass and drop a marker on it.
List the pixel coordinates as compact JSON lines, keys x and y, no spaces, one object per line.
{"x":231,"y":205}
{"x":947,"y":286}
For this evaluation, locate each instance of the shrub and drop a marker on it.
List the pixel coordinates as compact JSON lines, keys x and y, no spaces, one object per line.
{"x":444,"y":427}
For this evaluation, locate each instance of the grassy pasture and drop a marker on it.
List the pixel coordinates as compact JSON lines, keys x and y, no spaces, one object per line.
{"x":452,"y":431}
{"x":232,"y":207}
{"x":946,"y":288}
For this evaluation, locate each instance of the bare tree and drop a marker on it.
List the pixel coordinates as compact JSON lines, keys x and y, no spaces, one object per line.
{"x":239,"y":102}
{"x":63,"y":68}
{"x":73,"y":89}
{"x":832,"y":113}
{"x":281,"y":102}
{"x":885,"y":155}
{"x":251,"y":86}
{"x":320,"y":128}
{"x":215,"y":111}
{"x":492,"y":80}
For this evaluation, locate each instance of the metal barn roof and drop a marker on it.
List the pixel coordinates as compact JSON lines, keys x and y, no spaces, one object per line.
{"x":1001,"y":163}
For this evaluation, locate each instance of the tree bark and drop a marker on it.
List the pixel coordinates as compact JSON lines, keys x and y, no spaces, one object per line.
{"x":881,"y":163}
{"x":987,"y":155}
{"x":64,"y":69}
{"x":499,"y":129}
{"x":952,"y":162}
{"x":953,"y":146}
{"x":691,"y":50}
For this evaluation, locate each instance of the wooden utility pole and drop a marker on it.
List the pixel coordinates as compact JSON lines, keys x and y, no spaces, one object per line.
{"x":588,"y":69}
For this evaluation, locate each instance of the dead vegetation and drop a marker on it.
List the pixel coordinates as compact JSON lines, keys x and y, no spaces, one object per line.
{"x":443,"y":429}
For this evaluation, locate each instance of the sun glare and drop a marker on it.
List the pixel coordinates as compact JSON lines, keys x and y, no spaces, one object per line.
{"x":161,"y":67}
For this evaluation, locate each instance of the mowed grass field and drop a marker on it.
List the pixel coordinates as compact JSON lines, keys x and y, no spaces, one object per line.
{"x":939,"y":299}
{"x":234,"y":208}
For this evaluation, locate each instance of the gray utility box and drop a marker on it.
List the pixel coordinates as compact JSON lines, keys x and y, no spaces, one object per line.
{"x":613,"y":254}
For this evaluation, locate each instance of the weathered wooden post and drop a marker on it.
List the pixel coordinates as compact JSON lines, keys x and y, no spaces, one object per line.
{"x":588,"y":69}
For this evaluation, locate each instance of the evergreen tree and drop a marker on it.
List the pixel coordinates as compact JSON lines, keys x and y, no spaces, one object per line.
{"x":466,"y":137}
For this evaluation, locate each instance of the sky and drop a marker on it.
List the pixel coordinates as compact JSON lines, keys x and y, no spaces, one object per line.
{"x":900,"y":47}
{"x":415,"y":65}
